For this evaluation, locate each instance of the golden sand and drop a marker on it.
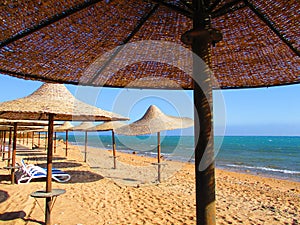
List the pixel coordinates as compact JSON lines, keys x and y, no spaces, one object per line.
{"x":98,"y":194}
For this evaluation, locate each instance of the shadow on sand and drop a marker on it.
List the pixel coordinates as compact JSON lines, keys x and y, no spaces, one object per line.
{"x":7,"y":216}
{"x":83,"y":176}
{"x":3,"y":196}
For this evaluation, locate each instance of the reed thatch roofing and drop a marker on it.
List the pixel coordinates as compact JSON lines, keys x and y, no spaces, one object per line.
{"x":64,"y":127}
{"x":84,"y":126}
{"x":153,"y":121}
{"x":8,"y":122}
{"x":63,"y":41}
{"x":108,"y":125}
{"x":54,"y":99}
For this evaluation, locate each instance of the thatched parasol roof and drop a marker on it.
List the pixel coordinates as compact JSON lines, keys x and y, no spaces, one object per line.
{"x":106,"y":126}
{"x":84,"y":126}
{"x":23,"y":122}
{"x":68,"y":41}
{"x":154,"y":120}
{"x":64,"y":127}
{"x":53,"y":99}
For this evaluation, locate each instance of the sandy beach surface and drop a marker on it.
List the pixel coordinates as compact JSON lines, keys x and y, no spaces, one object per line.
{"x":98,"y":194}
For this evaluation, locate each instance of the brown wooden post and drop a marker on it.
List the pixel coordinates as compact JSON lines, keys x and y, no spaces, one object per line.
{"x":4,"y":144}
{"x":85,"y":146}
{"x":23,"y":135}
{"x":13,"y":160}
{"x":204,"y":147}
{"x":1,"y":143}
{"x":32,"y":139}
{"x":158,"y":156}
{"x":54,"y":142}
{"x":39,"y":141}
{"x":46,"y":138}
{"x":67,"y":137}
{"x":49,"y":170}
{"x":114,"y":148}
{"x":9,"y":146}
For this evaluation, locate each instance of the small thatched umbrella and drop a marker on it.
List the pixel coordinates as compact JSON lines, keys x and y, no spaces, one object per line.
{"x":155,"y":121}
{"x":107,"y":126}
{"x":84,"y":126}
{"x":53,"y":102}
{"x":66,"y":126}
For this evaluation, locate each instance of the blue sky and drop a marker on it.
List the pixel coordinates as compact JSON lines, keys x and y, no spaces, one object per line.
{"x":260,"y":111}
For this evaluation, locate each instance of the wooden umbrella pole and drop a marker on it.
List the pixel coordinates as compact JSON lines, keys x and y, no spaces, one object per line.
{"x":1,"y":144}
{"x":13,"y":160}
{"x":4,"y":144}
{"x":85,"y":146}
{"x":32,"y":139}
{"x":67,"y":137}
{"x":39,"y":140}
{"x":54,"y":142}
{"x":49,"y":170}
{"x":158,"y":156}
{"x":9,"y":146}
{"x":204,"y":147}
{"x":114,"y":148}
{"x":46,"y":138}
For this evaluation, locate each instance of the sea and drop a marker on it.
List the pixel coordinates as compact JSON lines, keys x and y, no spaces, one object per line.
{"x":270,"y":156}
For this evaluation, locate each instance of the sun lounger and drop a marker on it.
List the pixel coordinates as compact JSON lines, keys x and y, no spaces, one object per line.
{"x":28,"y":172}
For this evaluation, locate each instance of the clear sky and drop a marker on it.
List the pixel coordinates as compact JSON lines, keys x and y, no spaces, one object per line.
{"x":259,"y":111}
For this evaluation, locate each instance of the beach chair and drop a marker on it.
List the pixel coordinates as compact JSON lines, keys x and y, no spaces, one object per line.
{"x":28,"y":172}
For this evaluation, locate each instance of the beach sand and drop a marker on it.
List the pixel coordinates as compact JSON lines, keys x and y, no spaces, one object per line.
{"x":98,"y":194}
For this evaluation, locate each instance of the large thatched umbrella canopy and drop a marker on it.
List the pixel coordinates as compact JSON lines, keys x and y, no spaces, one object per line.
{"x":155,"y":121}
{"x":53,"y":102}
{"x":59,"y":41}
{"x":68,"y":42}
{"x":109,"y":126}
{"x":57,"y":100}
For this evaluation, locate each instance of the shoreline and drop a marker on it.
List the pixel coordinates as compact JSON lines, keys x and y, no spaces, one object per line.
{"x":97,"y":199}
{"x":242,"y":170}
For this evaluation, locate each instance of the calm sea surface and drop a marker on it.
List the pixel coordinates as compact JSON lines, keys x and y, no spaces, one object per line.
{"x":267,"y":155}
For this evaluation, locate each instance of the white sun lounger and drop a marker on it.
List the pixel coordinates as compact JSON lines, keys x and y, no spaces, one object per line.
{"x":30,"y":171}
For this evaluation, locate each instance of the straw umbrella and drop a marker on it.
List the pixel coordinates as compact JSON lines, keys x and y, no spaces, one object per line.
{"x":66,"y":126}
{"x":53,"y":102}
{"x":109,"y":126}
{"x":84,"y":126}
{"x":245,"y":58}
{"x":155,"y":121}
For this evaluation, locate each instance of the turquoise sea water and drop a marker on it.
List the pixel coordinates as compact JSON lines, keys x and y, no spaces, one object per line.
{"x":266,"y":155}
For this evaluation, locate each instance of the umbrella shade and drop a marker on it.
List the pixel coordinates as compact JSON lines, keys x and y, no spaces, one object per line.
{"x":54,"y":99}
{"x":153,"y":121}
{"x":84,"y":126}
{"x":246,"y":57}
{"x":64,"y":127}
{"x":106,"y":126}
{"x":23,"y":122}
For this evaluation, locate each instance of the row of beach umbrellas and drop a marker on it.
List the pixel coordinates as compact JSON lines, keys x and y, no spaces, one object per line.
{"x":53,"y":102}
